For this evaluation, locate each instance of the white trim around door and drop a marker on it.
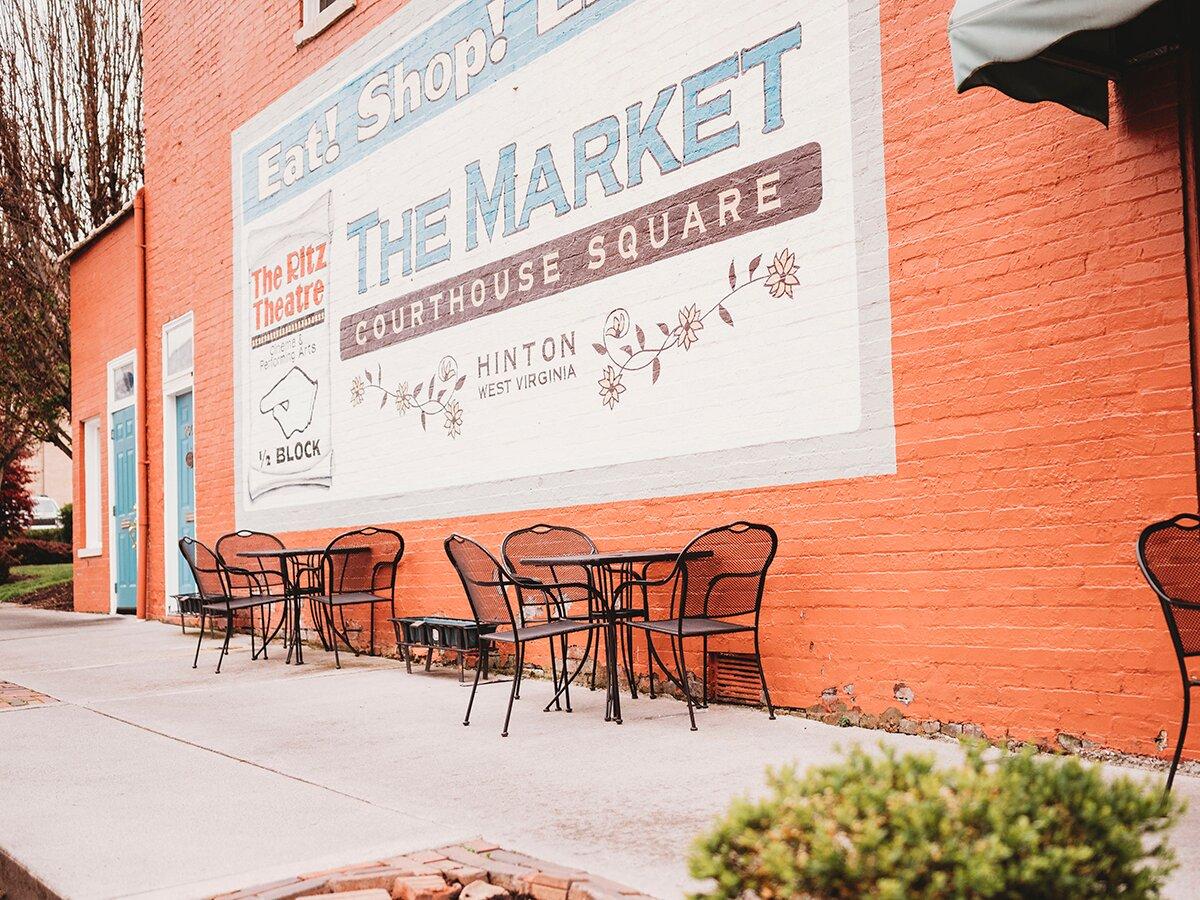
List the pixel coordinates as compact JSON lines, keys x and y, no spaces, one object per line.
{"x":177,"y":378}
{"x":121,"y":391}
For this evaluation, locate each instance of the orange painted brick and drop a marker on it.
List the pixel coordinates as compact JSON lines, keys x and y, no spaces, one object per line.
{"x":1041,"y":390}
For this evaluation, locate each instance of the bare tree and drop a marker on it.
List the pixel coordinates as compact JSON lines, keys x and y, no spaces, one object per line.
{"x":70,"y":158}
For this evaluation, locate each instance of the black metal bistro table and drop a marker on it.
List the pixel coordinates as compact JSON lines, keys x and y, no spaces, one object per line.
{"x":607,"y":571}
{"x":292,"y":561}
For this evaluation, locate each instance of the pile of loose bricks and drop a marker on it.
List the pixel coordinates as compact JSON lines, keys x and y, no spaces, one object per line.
{"x":472,"y":870}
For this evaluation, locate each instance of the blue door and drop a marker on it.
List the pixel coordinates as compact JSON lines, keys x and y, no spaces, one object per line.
{"x":125,"y":507}
{"x":185,"y":483}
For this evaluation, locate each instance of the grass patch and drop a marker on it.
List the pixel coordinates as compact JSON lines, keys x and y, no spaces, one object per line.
{"x":27,"y":579}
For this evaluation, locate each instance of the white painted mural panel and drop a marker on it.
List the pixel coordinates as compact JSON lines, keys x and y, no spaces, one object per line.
{"x":536,"y":253}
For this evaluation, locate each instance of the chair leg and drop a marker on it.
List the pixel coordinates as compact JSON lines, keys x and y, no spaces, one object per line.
{"x":566,"y":681}
{"x":554,"y":672}
{"x":199,"y":639}
{"x":627,"y":643}
{"x":683,"y":679}
{"x":568,"y":678}
{"x":319,"y":624}
{"x":225,"y":646}
{"x":474,"y":687}
{"x":704,"y":670}
{"x":345,"y":631}
{"x":337,"y":660}
{"x":587,"y":649}
{"x":595,"y":658}
{"x":650,"y":663}
{"x":372,"y":629}
{"x":1183,"y":726}
{"x":763,"y":678}
{"x":519,"y":674}
{"x":516,"y":686}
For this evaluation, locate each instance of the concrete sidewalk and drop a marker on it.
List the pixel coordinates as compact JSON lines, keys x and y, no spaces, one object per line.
{"x":151,"y":778}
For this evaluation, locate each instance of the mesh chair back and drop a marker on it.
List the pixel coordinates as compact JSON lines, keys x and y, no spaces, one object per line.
{"x":268,"y":570}
{"x":207,"y":571}
{"x":1169,"y":555}
{"x":363,"y":561}
{"x":730,"y":581}
{"x":548,"y":540}
{"x":482,"y":579}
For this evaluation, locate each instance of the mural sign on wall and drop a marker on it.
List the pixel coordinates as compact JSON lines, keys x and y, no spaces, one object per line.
{"x":545,"y":252}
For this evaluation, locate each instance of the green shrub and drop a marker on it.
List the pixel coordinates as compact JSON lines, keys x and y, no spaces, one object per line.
{"x":7,"y":562}
{"x":897,"y":827}
{"x":28,"y":551}
{"x":67,"y":532}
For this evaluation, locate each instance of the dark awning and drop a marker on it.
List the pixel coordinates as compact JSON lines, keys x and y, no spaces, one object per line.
{"x":1065,"y":51}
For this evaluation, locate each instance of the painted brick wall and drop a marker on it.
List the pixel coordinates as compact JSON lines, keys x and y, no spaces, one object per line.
{"x":103,"y":297}
{"x":1041,"y":389}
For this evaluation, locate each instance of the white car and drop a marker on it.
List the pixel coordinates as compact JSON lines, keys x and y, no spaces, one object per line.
{"x":47,"y":514}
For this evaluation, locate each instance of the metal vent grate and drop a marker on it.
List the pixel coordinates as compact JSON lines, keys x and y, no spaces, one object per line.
{"x":734,"y":676}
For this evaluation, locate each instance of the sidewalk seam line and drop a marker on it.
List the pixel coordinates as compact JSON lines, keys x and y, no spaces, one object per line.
{"x":255,"y":765}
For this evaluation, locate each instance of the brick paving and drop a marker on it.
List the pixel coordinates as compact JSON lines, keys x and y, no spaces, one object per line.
{"x":472,"y":870}
{"x":16,"y":696}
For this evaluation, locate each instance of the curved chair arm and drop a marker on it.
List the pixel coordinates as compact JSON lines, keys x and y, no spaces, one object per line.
{"x":257,"y":580}
{"x":251,"y":577}
{"x":641,"y":583}
{"x":317,"y":573}
{"x":391,"y":566}
{"x":552,"y":599}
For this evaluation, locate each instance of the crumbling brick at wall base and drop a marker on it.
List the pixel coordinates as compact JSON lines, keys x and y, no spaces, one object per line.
{"x":892,"y":720}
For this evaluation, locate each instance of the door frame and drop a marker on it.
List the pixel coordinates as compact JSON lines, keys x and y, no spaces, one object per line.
{"x":172,"y":386}
{"x":114,"y":406}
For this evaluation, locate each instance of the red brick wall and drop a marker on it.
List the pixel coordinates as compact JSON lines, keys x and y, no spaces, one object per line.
{"x":103,"y":327}
{"x":1041,"y":389}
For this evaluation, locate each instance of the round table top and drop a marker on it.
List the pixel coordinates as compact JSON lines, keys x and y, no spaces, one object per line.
{"x":613,"y":557}
{"x":284,"y":552}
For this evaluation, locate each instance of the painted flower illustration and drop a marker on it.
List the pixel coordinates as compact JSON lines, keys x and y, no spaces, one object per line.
{"x":781,"y":274}
{"x":428,"y":400}
{"x":617,"y":325}
{"x":403,"y":398}
{"x":690,"y":326}
{"x":645,"y":349}
{"x":454,"y":418}
{"x":611,"y":387}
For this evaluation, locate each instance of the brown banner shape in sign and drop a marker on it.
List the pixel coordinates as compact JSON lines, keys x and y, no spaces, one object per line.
{"x":775,"y":190}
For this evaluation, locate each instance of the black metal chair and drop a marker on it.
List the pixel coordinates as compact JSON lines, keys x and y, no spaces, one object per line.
{"x":718,"y":577}
{"x":355,"y":568}
{"x":217,"y":600}
{"x":1169,"y":555}
{"x":254,"y":575}
{"x":485,"y":582}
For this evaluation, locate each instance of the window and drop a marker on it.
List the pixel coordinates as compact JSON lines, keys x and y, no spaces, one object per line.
{"x":92,"y":513}
{"x":122,"y":382}
{"x":177,"y":350}
{"x":317,"y":15}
